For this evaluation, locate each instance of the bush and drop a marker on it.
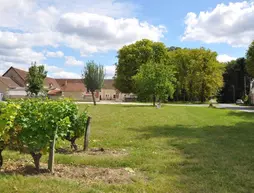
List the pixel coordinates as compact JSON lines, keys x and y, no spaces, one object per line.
{"x":78,"y":125}
{"x":35,"y":124}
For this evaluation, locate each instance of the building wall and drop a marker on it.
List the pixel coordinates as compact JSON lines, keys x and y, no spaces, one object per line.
{"x":108,"y":94}
{"x":3,"y":88}
{"x":15,"y":77}
{"x":73,"y":95}
{"x":79,"y":96}
{"x":16,"y":93}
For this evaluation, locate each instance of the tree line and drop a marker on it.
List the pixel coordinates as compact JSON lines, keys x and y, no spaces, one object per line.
{"x":155,"y":72}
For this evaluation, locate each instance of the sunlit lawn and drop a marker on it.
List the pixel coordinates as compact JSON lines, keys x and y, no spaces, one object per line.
{"x":176,"y":149}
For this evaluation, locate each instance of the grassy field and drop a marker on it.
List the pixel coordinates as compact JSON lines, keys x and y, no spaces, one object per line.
{"x":172,"y":149}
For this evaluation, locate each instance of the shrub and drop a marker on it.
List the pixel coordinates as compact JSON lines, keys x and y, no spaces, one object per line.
{"x":77,"y":129}
{"x":8,"y":132}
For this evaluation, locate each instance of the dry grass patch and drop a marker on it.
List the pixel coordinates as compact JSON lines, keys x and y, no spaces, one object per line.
{"x":94,"y":151}
{"x":84,"y":174}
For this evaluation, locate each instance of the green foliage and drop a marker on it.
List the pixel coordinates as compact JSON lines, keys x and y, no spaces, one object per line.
{"x":131,"y":57}
{"x":250,"y":59}
{"x":199,"y":74}
{"x":156,"y":80}
{"x":40,"y":120}
{"x":9,"y":111}
{"x":236,"y":81}
{"x":34,"y":79}
{"x":93,"y":76}
{"x":78,"y":124}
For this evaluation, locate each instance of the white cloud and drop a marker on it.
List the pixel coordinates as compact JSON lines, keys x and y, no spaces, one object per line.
{"x":98,"y":33}
{"x":57,"y":72}
{"x":225,"y":58}
{"x":26,"y":24}
{"x":71,"y":61}
{"x":57,"y":54}
{"x":111,"y":8}
{"x":110,"y":71}
{"x":232,"y":24}
{"x":64,"y":74}
{"x":19,"y":57}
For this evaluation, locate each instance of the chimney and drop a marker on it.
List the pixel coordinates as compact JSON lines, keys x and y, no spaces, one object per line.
{"x":65,"y":84}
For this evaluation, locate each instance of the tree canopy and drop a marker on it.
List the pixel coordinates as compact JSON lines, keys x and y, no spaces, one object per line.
{"x":93,"y":77}
{"x":35,"y":79}
{"x":155,"y":80}
{"x":198,"y":73}
{"x":131,"y":57}
{"x":250,"y":59}
{"x":236,"y":81}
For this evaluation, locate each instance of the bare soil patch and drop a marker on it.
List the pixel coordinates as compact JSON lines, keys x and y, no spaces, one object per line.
{"x":94,"y":151}
{"x":78,"y":173}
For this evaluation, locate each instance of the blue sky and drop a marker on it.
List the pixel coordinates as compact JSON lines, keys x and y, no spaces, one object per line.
{"x":63,"y":35}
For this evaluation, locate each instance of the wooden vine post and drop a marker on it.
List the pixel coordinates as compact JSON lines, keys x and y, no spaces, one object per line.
{"x":87,"y":134}
{"x":52,"y":154}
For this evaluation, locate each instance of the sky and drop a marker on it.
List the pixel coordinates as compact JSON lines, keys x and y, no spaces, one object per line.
{"x":65,"y":34}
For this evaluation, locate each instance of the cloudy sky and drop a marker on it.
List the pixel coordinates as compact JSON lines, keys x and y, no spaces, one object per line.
{"x":64,"y":34}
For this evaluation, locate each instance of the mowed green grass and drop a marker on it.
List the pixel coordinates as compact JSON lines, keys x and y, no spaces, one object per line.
{"x":176,"y":149}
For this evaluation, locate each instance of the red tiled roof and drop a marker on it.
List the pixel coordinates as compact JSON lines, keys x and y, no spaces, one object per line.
{"x":47,"y":80}
{"x":8,"y":82}
{"x":54,"y":92}
{"x":71,"y":85}
{"x":108,"y":84}
{"x":21,"y":73}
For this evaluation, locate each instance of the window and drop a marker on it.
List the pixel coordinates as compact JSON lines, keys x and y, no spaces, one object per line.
{"x":114,"y":96}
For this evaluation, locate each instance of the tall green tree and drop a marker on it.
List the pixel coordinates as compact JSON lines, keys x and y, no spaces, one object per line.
{"x":250,"y":59}
{"x":155,"y":80}
{"x":236,"y":81}
{"x":199,"y":74}
{"x":93,"y":77}
{"x":131,"y":57}
{"x":35,"y":79}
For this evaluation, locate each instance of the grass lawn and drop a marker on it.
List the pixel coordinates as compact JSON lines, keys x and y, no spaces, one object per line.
{"x":173,"y":149}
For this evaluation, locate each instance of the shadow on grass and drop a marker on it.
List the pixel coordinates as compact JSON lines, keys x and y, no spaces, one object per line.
{"x":245,"y":115}
{"x":213,"y":158}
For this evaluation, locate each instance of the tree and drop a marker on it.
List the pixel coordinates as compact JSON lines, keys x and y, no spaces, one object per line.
{"x":199,"y":74}
{"x":173,"y":48}
{"x":34,"y":79}
{"x":131,"y":57}
{"x":156,"y":80}
{"x":250,"y":59}
{"x":236,"y":81}
{"x":93,"y":77}
{"x":180,"y":59}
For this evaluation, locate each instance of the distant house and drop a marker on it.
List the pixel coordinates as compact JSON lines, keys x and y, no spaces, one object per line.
{"x":14,"y":80}
{"x":9,"y":88}
{"x":75,"y":88}
{"x":19,"y":77}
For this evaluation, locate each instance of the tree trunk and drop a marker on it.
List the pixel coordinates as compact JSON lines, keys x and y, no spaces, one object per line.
{"x":202,"y":96}
{"x":1,"y":158}
{"x":154,"y":100}
{"x":36,"y":157}
{"x":87,"y":134}
{"x":52,"y":154}
{"x":94,"y":101}
{"x":73,"y":144}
